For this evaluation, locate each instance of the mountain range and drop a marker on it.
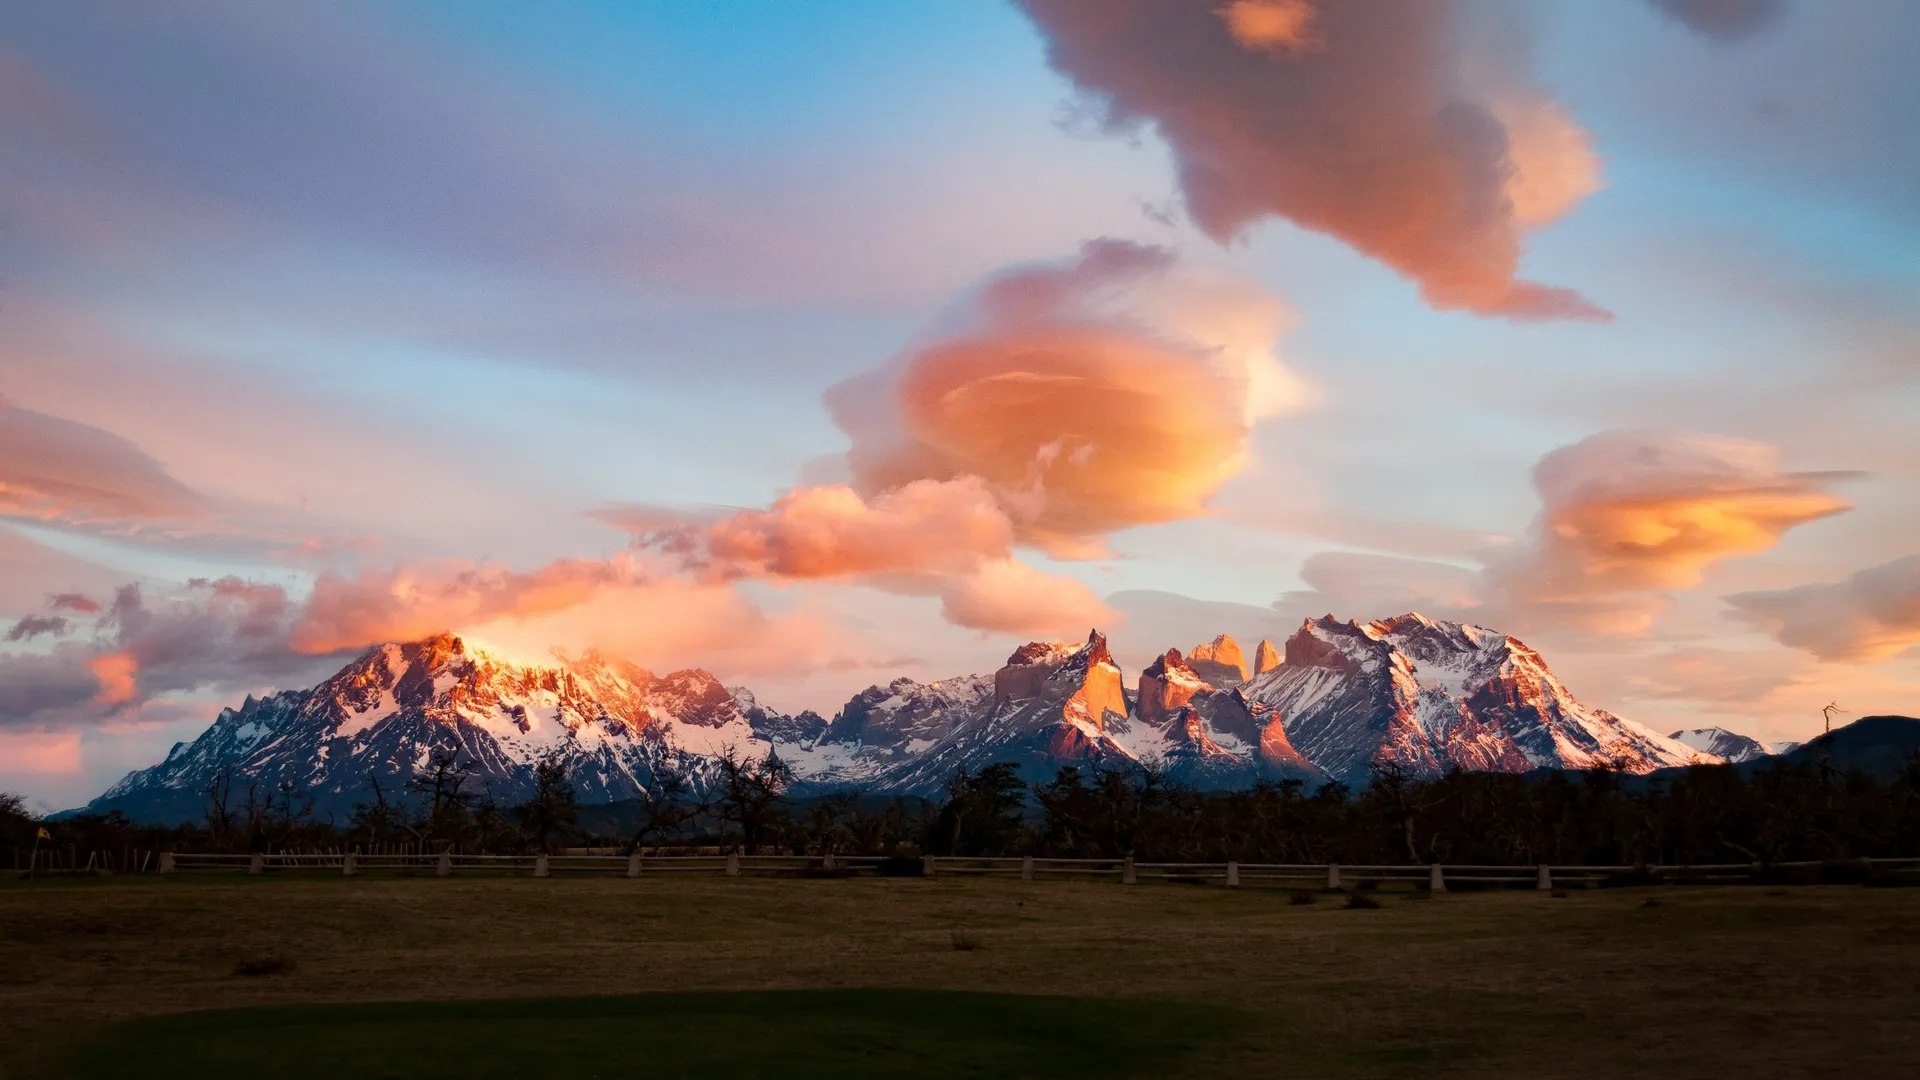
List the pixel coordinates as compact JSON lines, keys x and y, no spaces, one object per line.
{"x":1336,"y":702}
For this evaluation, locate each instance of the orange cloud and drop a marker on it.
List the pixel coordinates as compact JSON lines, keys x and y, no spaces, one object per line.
{"x":926,"y":526}
{"x":1627,"y":513}
{"x":618,"y":606}
{"x":1872,"y":616}
{"x":1373,"y":136}
{"x":1113,"y":390}
{"x":422,"y":599}
{"x":1009,"y":596}
{"x":1281,"y":25}
{"x":118,"y":674}
{"x":946,"y":536}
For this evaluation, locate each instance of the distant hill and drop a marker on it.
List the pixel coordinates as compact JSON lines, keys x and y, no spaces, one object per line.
{"x":1876,"y":744}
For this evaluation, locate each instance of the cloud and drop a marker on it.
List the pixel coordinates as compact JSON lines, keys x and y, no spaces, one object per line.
{"x":927,"y":526}
{"x":1367,"y":586}
{"x":1284,"y":26}
{"x":429,"y":597}
{"x":1113,"y":390}
{"x":1871,"y":616}
{"x":61,"y":471}
{"x":73,"y":602}
{"x":1710,"y":675}
{"x":1626,"y":518}
{"x":118,"y":674}
{"x":32,"y":626}
{"x":1062,"y":402}
{"x":226,"y":634}
{"x":926,"y":536}
{"x":1724,"y":20}
{"x":1626,"y":515}
{"x":1368,"y":122}
{"x":1009,"y":596}
{"x":40,"y":751}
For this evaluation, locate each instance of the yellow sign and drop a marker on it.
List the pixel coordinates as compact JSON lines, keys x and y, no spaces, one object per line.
{"x":44,"y":835}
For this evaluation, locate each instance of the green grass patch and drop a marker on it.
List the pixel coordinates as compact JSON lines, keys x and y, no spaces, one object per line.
{"x":785,"y":1034}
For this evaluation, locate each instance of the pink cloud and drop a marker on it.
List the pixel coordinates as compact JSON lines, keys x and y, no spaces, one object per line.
{"x":927,"y":526}
{"x":40,"y":751}
{"x":1871,"y":616}
{"x":1362,"y":121}
{"x":60,"y":471}
{"x":1009,"y":596}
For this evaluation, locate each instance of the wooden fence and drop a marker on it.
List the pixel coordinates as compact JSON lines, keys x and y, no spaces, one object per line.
{"x":1333,"y":876}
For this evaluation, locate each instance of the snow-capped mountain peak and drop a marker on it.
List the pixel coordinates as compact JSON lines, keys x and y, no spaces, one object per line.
{"x":1718,"y":742}
{"x":1425,"y":695}
{"x":1338,"y":700}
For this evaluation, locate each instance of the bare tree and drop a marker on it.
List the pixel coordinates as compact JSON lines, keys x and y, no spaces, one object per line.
{"x":751,"y":790}
{"x":442,"y":787}
{"x":668,"y":804}
{"x":553,"y":805}
{"x":219,"y":791}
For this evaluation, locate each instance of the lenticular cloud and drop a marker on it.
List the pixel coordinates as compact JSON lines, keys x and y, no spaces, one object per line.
{"x":1366,"y":121}
{"x":1062,"y":402}
{"x":1112,"y":390}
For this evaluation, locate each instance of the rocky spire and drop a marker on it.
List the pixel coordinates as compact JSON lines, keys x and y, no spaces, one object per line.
{"x":1265,"y":658}
{"x":1219,"y":662}
{"x":1166,"y":685}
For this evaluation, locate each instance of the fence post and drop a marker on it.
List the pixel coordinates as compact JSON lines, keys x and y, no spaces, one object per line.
{"x":257,"y":863}
{"x":349,"y":865}
{"x":445,"y":865}
{"x":1436,"y":881}
{"x":1546,"y":879}
{"x":827,"y":863}
{"x":733,"y":864}
{"x":1333,"y":876}
{"x":1127,"y":876}
{"x":1026,"y":868}
{"x":1233,"y":875}
{"x":633,"y":865}
{"x":540,"y":866}
{"x":926,"y":866}
{"x":166,"y":862}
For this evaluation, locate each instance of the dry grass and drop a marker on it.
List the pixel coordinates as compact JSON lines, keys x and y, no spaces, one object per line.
{"x":1809,"y":982}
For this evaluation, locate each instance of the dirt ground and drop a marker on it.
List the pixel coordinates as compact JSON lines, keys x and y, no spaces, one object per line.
{"x":1804,"y":981}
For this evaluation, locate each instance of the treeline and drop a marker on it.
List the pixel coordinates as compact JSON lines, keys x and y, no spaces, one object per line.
{"x":1706,"y":814}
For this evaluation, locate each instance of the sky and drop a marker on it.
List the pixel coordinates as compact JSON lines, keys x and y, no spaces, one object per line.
{"x":822,"y":345}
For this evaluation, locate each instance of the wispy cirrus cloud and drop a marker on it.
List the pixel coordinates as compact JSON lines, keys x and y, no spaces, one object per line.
{"x":64,"y":472}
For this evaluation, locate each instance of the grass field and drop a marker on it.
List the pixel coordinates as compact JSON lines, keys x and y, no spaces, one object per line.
{"x":100,"y":977}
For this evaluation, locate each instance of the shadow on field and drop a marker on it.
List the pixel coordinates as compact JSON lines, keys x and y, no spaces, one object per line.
{"x":785,"y":1034}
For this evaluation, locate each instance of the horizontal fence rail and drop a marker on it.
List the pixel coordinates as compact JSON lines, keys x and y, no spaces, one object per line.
{"x":1434,"y":877}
